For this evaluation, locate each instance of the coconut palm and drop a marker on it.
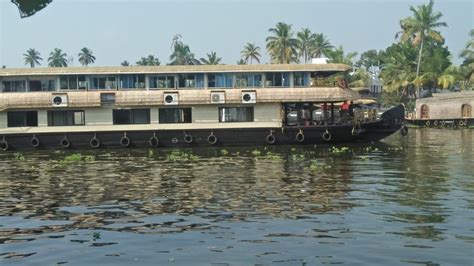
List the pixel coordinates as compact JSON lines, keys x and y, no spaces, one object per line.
{"x":282,"y":47}
{"x":211,"y":59}
{"x":125,"y":63}
{"x":250,"y":52}
{"x":338,"y":56}
{"x":86,"y":57}
{"x":305,"y":41}
{"x":149,"y":61}
{"x":182,"y":55}
{"x":420,"y":26}
{"x":398,"y":71}
{"x":320,"y":45}
{"x":57,"y":58}
{"x":32,"y":58}
{"x":241,"y":62}
{"x":468,"y":55}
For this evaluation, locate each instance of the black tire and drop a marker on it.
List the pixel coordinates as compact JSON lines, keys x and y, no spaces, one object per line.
{"x":35,"y":142}
{"x":299,"y":136}
{"x":154,"y":141}
{"x":212,"y":139}
{"x":188,"y":138}
{"x":95,"y":143}
{"x":327,"y":135}
{"x":125,"y":142}
{"x":4,"y":145}
{"x":65,"y":143}
{"x":404,"y":130}
{"x":271,"y":139}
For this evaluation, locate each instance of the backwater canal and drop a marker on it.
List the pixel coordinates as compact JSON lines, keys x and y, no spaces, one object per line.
{"x":404,"y":201}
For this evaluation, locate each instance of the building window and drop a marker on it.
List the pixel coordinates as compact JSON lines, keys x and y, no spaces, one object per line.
{"x":425,"y":111}
{"x":277,"y":80}
{"x":66,"y":118}
{"x":107,"y":98}
{"x":166,"y":82}
{"x":42,"y":85}
{"x":131,"y":116}
{"x":191,"y":80}
{"x":236,"y":114}
{"x":300,"y":79}
{"x":103,"y":83}
{"x":175,"y":115}
{"x":466,"y":111}
{"x":14,"y":86}
{"x":132,"y":81}
{"x":220,"y":80}
{"x":248,"y":80}
{"x":22,"y":119}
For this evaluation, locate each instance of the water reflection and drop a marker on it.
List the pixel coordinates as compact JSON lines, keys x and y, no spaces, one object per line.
{"x":418,"y":188}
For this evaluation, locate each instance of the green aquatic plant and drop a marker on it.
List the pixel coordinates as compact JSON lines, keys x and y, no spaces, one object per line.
{"x":19,"y":156}
{"x":336,"y":150}
{"x":224,"y":152}
{"x":96,"y":236}
{"x":177,"y":155}
{"x":256,"y":153}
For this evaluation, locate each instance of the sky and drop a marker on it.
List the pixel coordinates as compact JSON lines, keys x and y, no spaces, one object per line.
{"x":118,"y":30}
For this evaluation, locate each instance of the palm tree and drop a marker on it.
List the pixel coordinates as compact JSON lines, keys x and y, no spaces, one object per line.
{"x":468,"y":55}
{"x":57,"y":58}
{"x":250,"y":52}
{"x":320,"y":45}
{"x":337,"y":56}
{"x":86,"y":57}
{"x":305,"y":40}
{"x":149,"y":61}
{"x":398,"y":71}
{"x":420,"y":26}
{"x":182,"y":55}
{"x":241,"y":62}
{"x":212,"y":59}
{"x":125,"y":63}
{"x":282,"y":47}
{"x":32,"y":57}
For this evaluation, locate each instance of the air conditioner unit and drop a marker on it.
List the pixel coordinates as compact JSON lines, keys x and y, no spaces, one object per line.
{"x":59,"y":100}
{"x":217,"y":97}
{"x":170,"y":98}
{"x":249,"y":97}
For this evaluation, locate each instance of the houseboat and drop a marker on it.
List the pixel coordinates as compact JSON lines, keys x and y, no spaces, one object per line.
{"x":452,"y":109}
{"x":183,"y":106}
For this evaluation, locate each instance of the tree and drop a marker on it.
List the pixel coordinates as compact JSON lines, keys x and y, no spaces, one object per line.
{"x":250,"y":52}
{"x":370,"y":58}
{"x":32,"y":58}
{"x":398,"y":71}
{"x":86,"y":57}
{"x":337,"y":56}
{"x":241,"y":62}
{"x":320,"y":45}
{"x":148,"y":61}
{"x":211,"y":59}
{"x":305,"y":41}
{"x":57,"y":58}
{"x":282,"y":47}
{"x":467,"y":66}
{"x":181,"y":53}
{"x":125,"y":63}
{"x":420,"y":26}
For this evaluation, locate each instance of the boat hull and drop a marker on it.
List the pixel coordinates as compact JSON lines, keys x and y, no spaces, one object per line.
{"x":391,"y":121}
{"x":443,"y":123}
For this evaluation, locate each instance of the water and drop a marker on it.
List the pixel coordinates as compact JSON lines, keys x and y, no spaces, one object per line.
{"x":406,"y":201}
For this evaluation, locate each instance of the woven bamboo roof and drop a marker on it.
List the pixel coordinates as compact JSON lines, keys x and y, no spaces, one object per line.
{"x":40,"y":71}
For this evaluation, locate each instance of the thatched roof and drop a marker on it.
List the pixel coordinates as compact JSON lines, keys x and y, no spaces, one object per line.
{"x":447,"y":97}
{"x":41,"y":71}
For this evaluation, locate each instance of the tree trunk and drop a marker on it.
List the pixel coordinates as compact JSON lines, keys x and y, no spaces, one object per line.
{"x":418,"y":67}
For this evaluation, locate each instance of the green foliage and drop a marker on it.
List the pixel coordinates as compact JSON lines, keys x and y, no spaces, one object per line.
{"x":19,"y":156}
{"x":211,"y":59}
{"x":177,"y":155}
{"x":86,"y":57}
{"x":32,"y":58}
{"x":181,"y":53}
{"x":256,"y":153}
{"x":282,"y":46}
{"x":57,"y":58}
{"x":338,"y":56}
{"x":249,"y":53}
{"x":148,"y":61}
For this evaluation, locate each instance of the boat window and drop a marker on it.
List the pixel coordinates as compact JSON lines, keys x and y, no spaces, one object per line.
{"x":236,"y":114}
{"x":425,"y":111}
{"x":42,"y":85}
{"x":277,"y":79}
{"x":161,"y":82}
{"x":107,"y":98}
{"x":66,"y":118}
{"x":220,"y":80}
{"x":175,"y":115}
{"x":248,"y":80}
{"x":72,"y":83}
{"x":103,"y":83}
{"x":132,"y":81}
{"x":131,"y":116}
{"x":14,"y":86}
{"x":22,"y":119}
{"x":191,"y":80}
{"x":466,"y":111}
{"x":300,"y":79}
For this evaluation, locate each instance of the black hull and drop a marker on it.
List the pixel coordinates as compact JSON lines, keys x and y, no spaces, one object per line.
{"x":391,"y":121}
{"x":442,"y":123}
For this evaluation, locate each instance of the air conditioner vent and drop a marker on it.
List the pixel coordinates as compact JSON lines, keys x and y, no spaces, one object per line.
{"x":170,"y":98}
{"x":59,"y":100}
{"x":249,"y":97}
{"x":217,"y":97}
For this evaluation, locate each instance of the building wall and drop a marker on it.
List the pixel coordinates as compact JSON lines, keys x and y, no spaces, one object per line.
{"x":444,"y":108}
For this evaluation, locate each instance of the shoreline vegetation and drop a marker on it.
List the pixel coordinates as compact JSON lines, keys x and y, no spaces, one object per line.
{"x":416,"y":64}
